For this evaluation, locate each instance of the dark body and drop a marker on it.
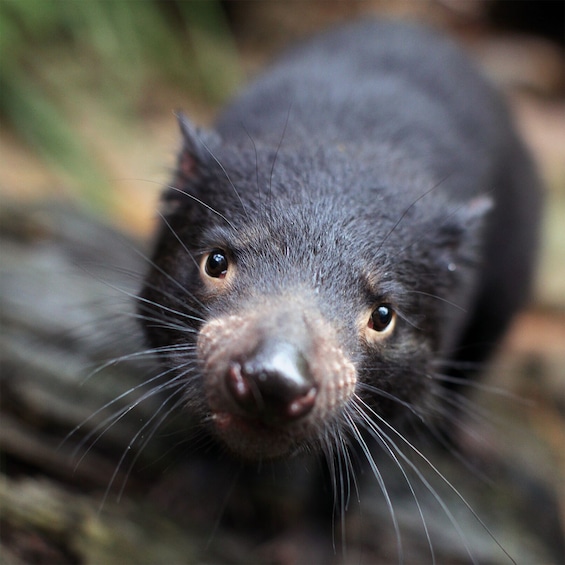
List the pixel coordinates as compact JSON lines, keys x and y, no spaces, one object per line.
{"x":361,"y":224}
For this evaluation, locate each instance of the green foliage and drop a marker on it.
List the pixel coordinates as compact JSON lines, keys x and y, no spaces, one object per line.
{"x":59,"y":58}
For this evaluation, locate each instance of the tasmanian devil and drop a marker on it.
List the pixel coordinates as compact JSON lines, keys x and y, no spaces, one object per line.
{"x":346,"y":245}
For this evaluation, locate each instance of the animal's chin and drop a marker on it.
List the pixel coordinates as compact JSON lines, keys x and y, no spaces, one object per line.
{"x":252,"y":439}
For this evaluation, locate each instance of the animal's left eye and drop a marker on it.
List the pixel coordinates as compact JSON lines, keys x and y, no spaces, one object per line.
{"x":216,"y":265}
{"x":382,"y":319}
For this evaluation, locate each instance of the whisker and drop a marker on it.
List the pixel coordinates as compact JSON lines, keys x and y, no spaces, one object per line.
{"x":403,"y":215}
{"x":169,"y":295}
{"x":490,"y":389}
{"x":342,"y":476}
{"x":258,"y":186}
{"x":162,"y":323}
{"x":277,"y":154}
{"x":217,"y":161}
{"x":147,"y":301}
{"x":177,"y":390}
{"x":380,"y":480}
{"x":139,"y":276}
{"x":170,"y":310}
{"x":110,"y":403}
{"x":389,"y":396}
{"x":176,"y":236}
{"x":461,"y":403}
{"x":207,"y":206}
{"x":439,"y":474}
{"x":436,"y":297}
{"x":113,"y":419}
{"x":383,"y":438}
{"x":155,"y":426}
{"x":422,"y":234}
{"x":373,"y":428}
{"x":188,"y":195}
{"x":222,"y":509}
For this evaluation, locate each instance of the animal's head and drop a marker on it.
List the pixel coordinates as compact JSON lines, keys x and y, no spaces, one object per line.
{"x":297,"y":308}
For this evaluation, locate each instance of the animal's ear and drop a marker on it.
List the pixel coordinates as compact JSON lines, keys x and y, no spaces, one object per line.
{"x":460,"y":234}
{"x":195,"y":159}
{"x":471,"y":215}
{"x":196,"y":152}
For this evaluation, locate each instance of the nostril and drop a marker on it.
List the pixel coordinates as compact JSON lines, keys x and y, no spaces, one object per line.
{"x":241,"y":388}
{"x":274,"y":384}
{"x":301,"y":406}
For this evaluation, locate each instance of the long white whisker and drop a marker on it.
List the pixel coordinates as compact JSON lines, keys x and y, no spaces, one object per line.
{"x":441,"y":476}
{"x":440,"y":298}
{"x":153,"y":352}
{"x":381,"y":437}
{"x":208,"y":207}
{"x":380,"y":481}
{"x":494,"y":390}
{"x":113,"y":419}
{"x":217,"y":161}
{"x":156,"y":425}
{"x":403,"y":215}
{"x":111,"y":403}
{"x":176,"y":236}
{"x":134,"y":439}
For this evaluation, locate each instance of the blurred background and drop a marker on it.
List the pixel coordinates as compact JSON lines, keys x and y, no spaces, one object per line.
{"x":88,"y":88}
{"x":87,"y":94}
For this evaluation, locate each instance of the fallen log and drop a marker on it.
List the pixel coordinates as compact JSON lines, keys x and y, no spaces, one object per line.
{"x":88,"y":478}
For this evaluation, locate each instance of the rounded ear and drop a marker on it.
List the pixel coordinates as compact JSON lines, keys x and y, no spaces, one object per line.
{"x":196,"y":153}
{"x":459,"y":236}
{"x":469,"y":217}
{"x":477,"y":208}
{"x":193,"y":162}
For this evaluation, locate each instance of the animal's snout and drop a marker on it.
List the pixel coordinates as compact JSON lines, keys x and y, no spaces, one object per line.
{"x":273,"y":378}
{"x":273,"y":384}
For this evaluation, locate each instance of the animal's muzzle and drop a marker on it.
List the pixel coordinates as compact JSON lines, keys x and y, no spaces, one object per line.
{"x":274,"y":384}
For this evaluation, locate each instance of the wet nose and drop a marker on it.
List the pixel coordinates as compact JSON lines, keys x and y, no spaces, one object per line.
{"x":274,"y":384}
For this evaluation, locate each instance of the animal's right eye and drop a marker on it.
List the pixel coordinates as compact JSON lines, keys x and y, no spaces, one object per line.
{"x":380,"y":324}
{"x":216,"y":264}
{"x":382,"y":318}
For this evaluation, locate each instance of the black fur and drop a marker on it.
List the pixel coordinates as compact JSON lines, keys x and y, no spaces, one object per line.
{"x":370,"y":165}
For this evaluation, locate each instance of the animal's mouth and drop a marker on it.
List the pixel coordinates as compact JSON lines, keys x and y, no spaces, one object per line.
{"x":253,"y":438}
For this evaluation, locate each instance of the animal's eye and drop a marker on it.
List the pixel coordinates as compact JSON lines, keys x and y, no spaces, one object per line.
{"x":216,"y":265}
{"x":382,"y":318}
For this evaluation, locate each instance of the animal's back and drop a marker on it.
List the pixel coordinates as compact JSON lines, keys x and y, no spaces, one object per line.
{"x":371,"y":87}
